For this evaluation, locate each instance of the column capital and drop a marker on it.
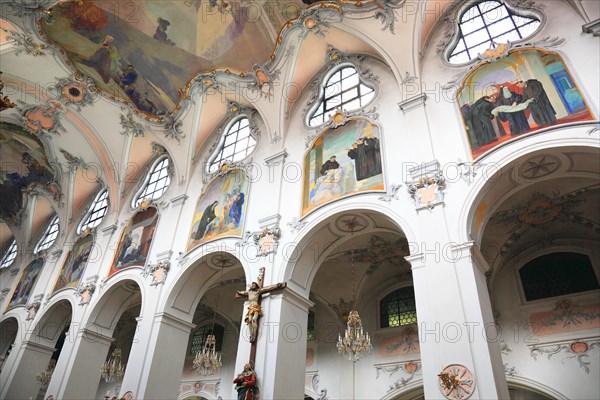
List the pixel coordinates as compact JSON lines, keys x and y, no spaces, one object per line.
{"x":174,"y":322}
{"x":470,"y":250}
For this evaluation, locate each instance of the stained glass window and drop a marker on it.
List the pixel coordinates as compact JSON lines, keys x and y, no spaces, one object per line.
{"x":398,"y":308}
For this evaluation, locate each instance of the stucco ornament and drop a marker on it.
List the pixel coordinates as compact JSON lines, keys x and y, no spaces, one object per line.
{"x":159,"y":272}
{"x":85,"y":292}
{"x":32,"y":310}
{"x":456,"y":382}
{"x":267,"y":240}
{"x":77,"y":90}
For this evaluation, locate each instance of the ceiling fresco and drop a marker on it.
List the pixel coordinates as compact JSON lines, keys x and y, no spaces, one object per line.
{"x":25,"y":164}
{"x":146,"y":52}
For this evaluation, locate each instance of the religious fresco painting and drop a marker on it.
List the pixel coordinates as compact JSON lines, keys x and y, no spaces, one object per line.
{"x":136,"y":240}
{"x":221,"y":208}
{"x":75,"y":263}
{"x":342,"y":161}
{"x":26,"y":283}
{"x":24,"y":163}
{"x":521,"y":93}
{"x":145,"y":52}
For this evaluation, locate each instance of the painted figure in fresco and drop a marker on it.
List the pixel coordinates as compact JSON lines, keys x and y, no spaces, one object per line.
{"x":331,"y":183}
{"x":329,"y":165}
{"x":74,"y":271}
{"x":161,"y":32}
{"x":517,"y":120}
{"x":236,"y":208}
{"x":208,"y":215}
{"x":245,"y":383}
{"x":541,"y":109}
{"x":106,"y":60}
{"x":479,"y":121}
{"x":373,"y":156}
{"x":358,"y":153}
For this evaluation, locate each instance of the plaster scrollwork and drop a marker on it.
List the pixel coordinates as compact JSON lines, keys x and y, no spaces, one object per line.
{"x":41,"y":118}
{"x":32,"y":310}
{"x":340,"y":118}
{"x":408,"y":370}
{"x":316,"y":20}
{"x":159,"y":272}
{"x":3,"y":294}
{"x":25,"y":44}
{"x":387,"y":13}
{"x":427,"y":185}
{"x":86,"y":289}
{"x":267,"y":240}
{"x":392,"y":193}
{"x":263,"y":80}
{"x":296,"y":224}
{"x":510,"y":371}
{"x":468,"y":170}
{"x":501,"y":51}
{"x":73,"y":161}
{"x":593,"y":130}
{"x":172,"y":127}
{"x":130,"y":125}
{"x":77,"y":90}
{"x":579,"y":350}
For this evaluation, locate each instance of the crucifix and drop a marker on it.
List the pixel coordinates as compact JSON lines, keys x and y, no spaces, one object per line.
{"x":254,"y":294}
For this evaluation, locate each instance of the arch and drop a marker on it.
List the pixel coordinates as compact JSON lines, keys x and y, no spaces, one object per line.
{"x":120,"y":295}
{"x":197,"y":276}
{"x":9,"y":329}
{"x":412,"y":391}
{"x":489,"y":169}
{"x":299,"y":271}
{"x":534,"y":386}
{"x":53,"y":321}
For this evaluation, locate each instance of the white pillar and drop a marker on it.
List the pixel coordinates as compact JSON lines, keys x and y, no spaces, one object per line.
{"x":156,"y":359}
{"x":81,"y":375}
{"x":453,"y":310}
{"x":281,"y":347}
{"x":18,"y":380}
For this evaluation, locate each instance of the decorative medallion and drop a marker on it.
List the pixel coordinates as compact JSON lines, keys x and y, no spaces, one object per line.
{"x":539,"y":166}
{"x":456,"y":382}
{"x":78,"y":90}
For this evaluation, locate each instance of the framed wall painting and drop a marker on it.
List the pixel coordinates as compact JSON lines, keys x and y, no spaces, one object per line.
{"x":75,"y":263}
{"x":26,"y":283}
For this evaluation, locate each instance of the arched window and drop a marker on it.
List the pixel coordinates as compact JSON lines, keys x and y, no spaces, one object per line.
{"x":96,"y":212}
{"x":488,"y":23}
{"x":310,"y":326}
{"x":557,"y":274}
{"x":10,"y":255}
{"x":235,"y":145}
{"x":200,"y":335}
{"x":343,"y":89}
{"x":398,"y":308}
{"x":156,"y":183}
{"x":49,"y":237}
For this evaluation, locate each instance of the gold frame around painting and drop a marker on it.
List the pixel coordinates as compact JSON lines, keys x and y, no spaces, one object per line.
{"x":223,"y":171}
{"x":339,"y":121}
{"x":86,"y":235}
{"x":143,"y":207}
{"x":482,"y":151}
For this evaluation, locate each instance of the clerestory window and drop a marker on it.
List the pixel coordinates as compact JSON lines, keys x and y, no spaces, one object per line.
{"x":49,"y":236}
{"x":343,"y":90}
{"x":96,"y":212}
{"x":236,"y":144}
{"x":156,"y":183}
{"x":486,"y":24}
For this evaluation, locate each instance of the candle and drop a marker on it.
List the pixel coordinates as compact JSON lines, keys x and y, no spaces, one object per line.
{"x":108,"y":393}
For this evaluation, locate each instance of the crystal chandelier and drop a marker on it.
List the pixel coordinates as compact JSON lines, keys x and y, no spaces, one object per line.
{"x":113,"y":369}
{"x":208,"y":361}
{"x":355,"y":344}
{"x":44,"y":377}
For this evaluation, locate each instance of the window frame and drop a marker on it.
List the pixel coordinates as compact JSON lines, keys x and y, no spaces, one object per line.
{"x":579,"y":249}
{"x":456,"y":30}
{"x":320,"y":98}
{"x":90,"y":211}
{"x":36,"y":249}
{"x":146,"y":181}
{"x":9,"y":252}
{"x":383,"y":296}
{"x":220,"y":145}
{"x":200,"y":326}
